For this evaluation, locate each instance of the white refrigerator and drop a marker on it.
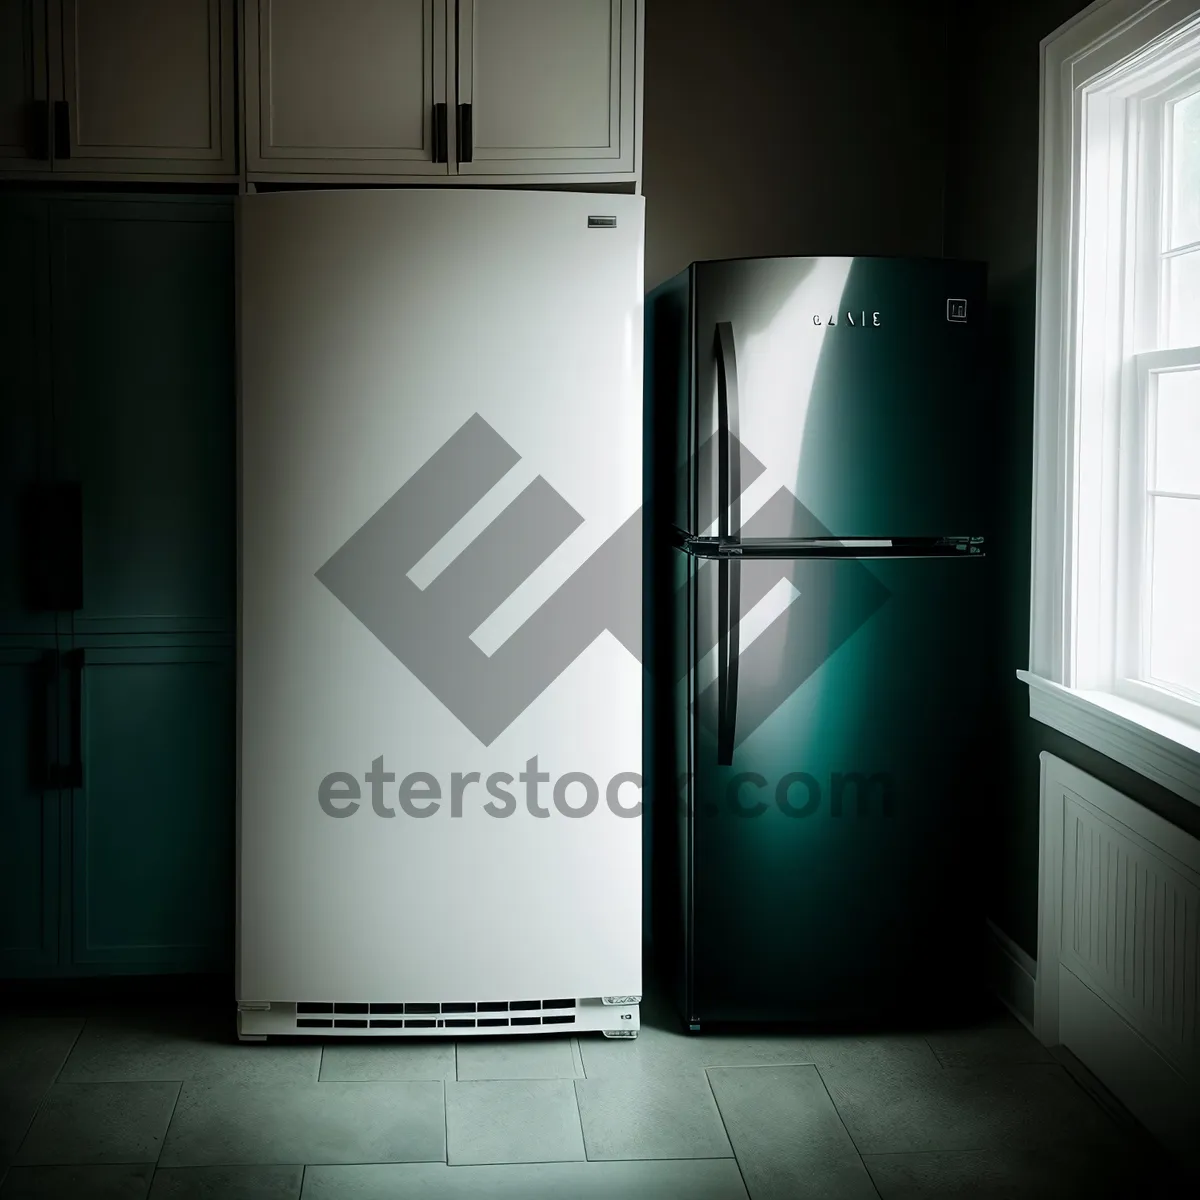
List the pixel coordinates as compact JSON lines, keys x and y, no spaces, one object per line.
{"x":439,"y":633}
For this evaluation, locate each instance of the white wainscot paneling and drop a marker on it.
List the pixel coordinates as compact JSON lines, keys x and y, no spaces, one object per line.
{"x":1118,"y":979}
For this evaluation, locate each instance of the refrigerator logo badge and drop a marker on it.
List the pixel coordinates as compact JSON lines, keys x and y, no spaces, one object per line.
{"x":861,"y":319}
{"x":956,"y":311}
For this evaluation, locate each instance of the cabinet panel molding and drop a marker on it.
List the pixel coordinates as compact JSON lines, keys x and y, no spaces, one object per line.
{"x":344,"y":86}
{"x":152,"y":823}
{"x":143,"y":86}
{"x":551,"y":87}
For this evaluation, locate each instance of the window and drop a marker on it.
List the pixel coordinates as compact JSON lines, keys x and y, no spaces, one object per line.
{"x":1115,"y":605}
{"x":1158,"y":557}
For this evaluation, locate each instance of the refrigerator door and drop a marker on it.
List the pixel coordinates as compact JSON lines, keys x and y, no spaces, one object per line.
{"x":831,"y":759}
{"x":848,"y":385}
{"x":440,"y":484}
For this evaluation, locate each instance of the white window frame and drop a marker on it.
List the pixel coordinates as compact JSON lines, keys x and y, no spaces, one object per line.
{"x":1106,"y":77}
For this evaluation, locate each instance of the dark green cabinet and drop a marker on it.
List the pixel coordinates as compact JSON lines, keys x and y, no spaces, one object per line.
{"x":30,"y":846}
{"x":26,"y":445}
{"x":154,"y":815}
{"x":143,"y":379}
{"x":117,"y":558}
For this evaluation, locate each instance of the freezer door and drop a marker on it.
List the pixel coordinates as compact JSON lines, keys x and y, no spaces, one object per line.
{"x":849,"y":384}
{"x":440,"y":485}
{"x":834,"y":770}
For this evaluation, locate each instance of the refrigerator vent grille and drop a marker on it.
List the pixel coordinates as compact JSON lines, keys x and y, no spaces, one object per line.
{"x":483,"y":1014}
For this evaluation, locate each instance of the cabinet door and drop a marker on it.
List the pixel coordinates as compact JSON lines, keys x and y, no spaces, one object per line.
{"x":144,"y":380}
{"x":25,"y":418}
{"x":344,"y":87}
{"x":147,"y":85}
{"x":549,"y":86}
{"x":29,"y":841}
{"x":24,"y":128}
{"x":152,"y":824}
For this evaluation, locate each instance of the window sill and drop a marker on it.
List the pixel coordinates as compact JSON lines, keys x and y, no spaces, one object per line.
{"x":1160,"y":747}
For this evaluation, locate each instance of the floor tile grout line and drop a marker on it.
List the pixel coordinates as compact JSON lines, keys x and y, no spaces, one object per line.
{"x":937,"y":1058}
{"x":725,"y":1128}
{"x":579,"y":1118}
{"x":538,"y":1162}
{"x":166,"y":1132}
{"x":71,"y":1050}
{"x":410,"y":1162}
{"x":303,"y":1174}
{"x":956,"y":1150}
{"x":37,"y":1111}
{"x":842,"y":1122}
{"x":446,"y":1113}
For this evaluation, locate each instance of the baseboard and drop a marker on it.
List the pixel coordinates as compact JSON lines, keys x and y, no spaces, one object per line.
{"x":1011,"y":974}
{"x":1132,"y":1129}
{"x":1125,"y":1073}
{"x":84,"y":992}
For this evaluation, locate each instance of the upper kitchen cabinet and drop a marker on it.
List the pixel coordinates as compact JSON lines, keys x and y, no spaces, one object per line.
{"x":24,"y":107}
{"x":118,"y":89}
{"x":445,"y":91}
{"x":146,"y":87}
{"x":547,"y":87}
{"x":346,"y":88}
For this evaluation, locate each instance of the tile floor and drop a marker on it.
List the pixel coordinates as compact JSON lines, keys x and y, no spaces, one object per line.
{"x":170,"y":1107}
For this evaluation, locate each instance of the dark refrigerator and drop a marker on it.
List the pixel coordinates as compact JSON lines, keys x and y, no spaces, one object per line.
{"x":817,"y":606}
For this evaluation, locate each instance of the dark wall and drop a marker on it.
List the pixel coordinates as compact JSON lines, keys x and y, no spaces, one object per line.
{"x":991,"y":214}
{"x":884,"y":127}
{"x":780,"y":127}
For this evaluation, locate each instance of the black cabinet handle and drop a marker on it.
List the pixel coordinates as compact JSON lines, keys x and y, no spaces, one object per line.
{"x":48,"y":719}
{"x":68,"y":704}
{"x":465,"y":144}
{"x":440,"y":136}
{"x":38,"y":138}
{"x":72,"y":771}
{"x":62,"y":129}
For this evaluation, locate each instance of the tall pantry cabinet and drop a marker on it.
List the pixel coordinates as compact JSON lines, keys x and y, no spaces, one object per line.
{"x":116,"y":584}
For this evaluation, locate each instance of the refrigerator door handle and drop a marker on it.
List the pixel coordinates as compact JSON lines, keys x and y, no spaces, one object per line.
{"x":729,"y":465}
{"x":729,"y":616}
{"x":729,"y":525}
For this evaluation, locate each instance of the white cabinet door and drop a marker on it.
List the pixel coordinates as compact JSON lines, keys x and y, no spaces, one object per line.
{"x":345,"y":87}
{"x":143,"y":87}
{"x":547,"y":87}
{"x":24,"y":128}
